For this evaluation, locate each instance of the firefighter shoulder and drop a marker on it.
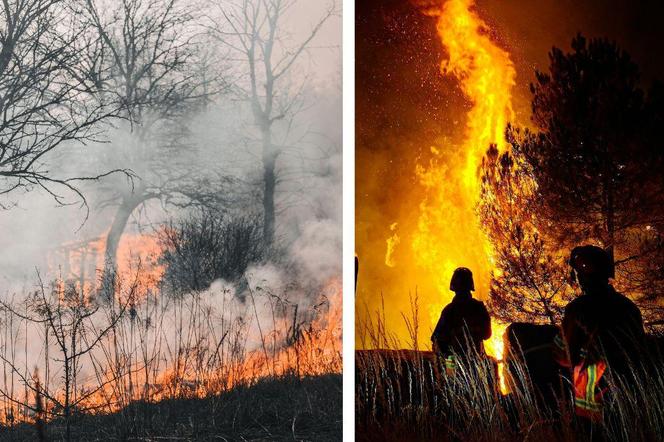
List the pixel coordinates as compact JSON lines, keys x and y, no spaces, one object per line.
{"x":600,"y":323}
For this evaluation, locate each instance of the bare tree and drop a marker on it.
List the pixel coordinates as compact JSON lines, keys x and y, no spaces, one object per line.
{"x":253,"y":31}
{"x":67,"y":316}
{"x":149,"y":68}
{"x":46,"y":96}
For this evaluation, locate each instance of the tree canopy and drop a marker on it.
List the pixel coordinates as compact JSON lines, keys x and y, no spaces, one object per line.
{"x":589,"y":171}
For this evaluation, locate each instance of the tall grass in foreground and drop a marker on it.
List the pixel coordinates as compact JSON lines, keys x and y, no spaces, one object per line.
{"x":66,"y":354}
{"x":405,"y":394}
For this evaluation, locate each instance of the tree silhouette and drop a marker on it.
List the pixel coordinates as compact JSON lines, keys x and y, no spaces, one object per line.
{"x":150,"y":66}
{"x":597,"y":165}
{"x":594,"y":159}
{"x":254,"y":31}
{"x":46,"y":99}
{"x":529,"y":283}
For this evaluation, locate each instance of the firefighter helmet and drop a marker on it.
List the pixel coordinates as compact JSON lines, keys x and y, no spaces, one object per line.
{"x":462,"y":280}
{"x":591,"y":261}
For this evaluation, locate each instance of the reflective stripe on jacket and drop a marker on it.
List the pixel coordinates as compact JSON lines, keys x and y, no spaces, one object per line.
{"x":587,"y":393}
{"x":450,"y":365}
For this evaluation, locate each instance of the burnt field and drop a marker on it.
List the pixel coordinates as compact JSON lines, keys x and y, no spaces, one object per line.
{"x":285,"y":408}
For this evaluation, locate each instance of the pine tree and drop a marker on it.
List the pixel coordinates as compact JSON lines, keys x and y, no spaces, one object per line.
{"x":589,"y":171}
{"x":529,"y":282}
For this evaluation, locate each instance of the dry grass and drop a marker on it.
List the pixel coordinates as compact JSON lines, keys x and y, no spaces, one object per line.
{"x":139,"y":365}
{"x":405,"y":395}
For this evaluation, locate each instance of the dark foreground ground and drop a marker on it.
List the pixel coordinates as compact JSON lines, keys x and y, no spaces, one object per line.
{"x":291,"y":409}
{"x":405,"y":395}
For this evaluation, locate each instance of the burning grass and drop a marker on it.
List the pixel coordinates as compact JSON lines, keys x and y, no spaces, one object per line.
{"x":67,"y":355}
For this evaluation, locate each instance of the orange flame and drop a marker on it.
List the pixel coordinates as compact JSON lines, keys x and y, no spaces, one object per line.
{"x":295,"y":346}
{"x":447,"y":233}
{"x":82,"y":262}
{"x":315,"y":349}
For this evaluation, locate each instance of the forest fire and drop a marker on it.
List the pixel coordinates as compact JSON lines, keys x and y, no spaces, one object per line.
{"x":486,"y":142}
{"x":310,"y":349}
{"x":447,"y":212}
{"x":157,"y":346}
{"x":446,"y":232}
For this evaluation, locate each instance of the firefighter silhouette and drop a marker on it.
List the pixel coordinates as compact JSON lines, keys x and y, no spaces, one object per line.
{"x":602,"y":329}
{"x":600,"y":323}
{"x":464,"y":323}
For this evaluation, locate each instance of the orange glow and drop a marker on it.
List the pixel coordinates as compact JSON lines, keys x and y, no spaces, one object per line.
{"x":448,"y":233}
{"x":83,"y":262}
{"x":392,"y":242}
{"x":304,"y":344}
{"x":316,"y":351}
{"x":445,"y":233}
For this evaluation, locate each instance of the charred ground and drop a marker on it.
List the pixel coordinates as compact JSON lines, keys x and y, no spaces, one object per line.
{"x":286,"y":408}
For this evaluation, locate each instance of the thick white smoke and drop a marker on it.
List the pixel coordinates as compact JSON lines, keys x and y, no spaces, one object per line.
{"x":223,"y":140}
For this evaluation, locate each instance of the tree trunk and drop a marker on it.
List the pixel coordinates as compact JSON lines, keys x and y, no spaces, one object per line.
{"x":67,"y":410}
{"x":269,"y":185}
{"x":129,"y":203}
{"x":610,"y":216}
{"x":611,"y":239}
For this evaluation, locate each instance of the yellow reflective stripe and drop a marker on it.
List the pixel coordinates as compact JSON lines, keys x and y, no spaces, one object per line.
{"x":592,"y":406}
{"x":590,"y":386}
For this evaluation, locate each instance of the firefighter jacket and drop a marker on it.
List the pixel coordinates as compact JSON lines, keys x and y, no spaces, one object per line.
{"x":463,"y":325}
{"x":603,"y":326}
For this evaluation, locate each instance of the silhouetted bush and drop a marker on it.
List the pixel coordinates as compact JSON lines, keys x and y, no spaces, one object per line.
{"x":206,"y":247}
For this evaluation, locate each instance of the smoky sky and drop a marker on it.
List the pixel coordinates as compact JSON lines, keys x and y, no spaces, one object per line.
{"x":222,"y":140}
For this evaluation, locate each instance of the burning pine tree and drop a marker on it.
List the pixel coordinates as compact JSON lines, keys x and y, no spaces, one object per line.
{"x":589,"y":171}
{"x":529,"y":281}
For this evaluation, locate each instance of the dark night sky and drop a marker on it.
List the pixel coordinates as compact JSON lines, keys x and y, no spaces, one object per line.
{"x":398,"y":53}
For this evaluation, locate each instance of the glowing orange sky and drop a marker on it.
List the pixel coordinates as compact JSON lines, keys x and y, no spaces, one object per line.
{"x":404,"y":106}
